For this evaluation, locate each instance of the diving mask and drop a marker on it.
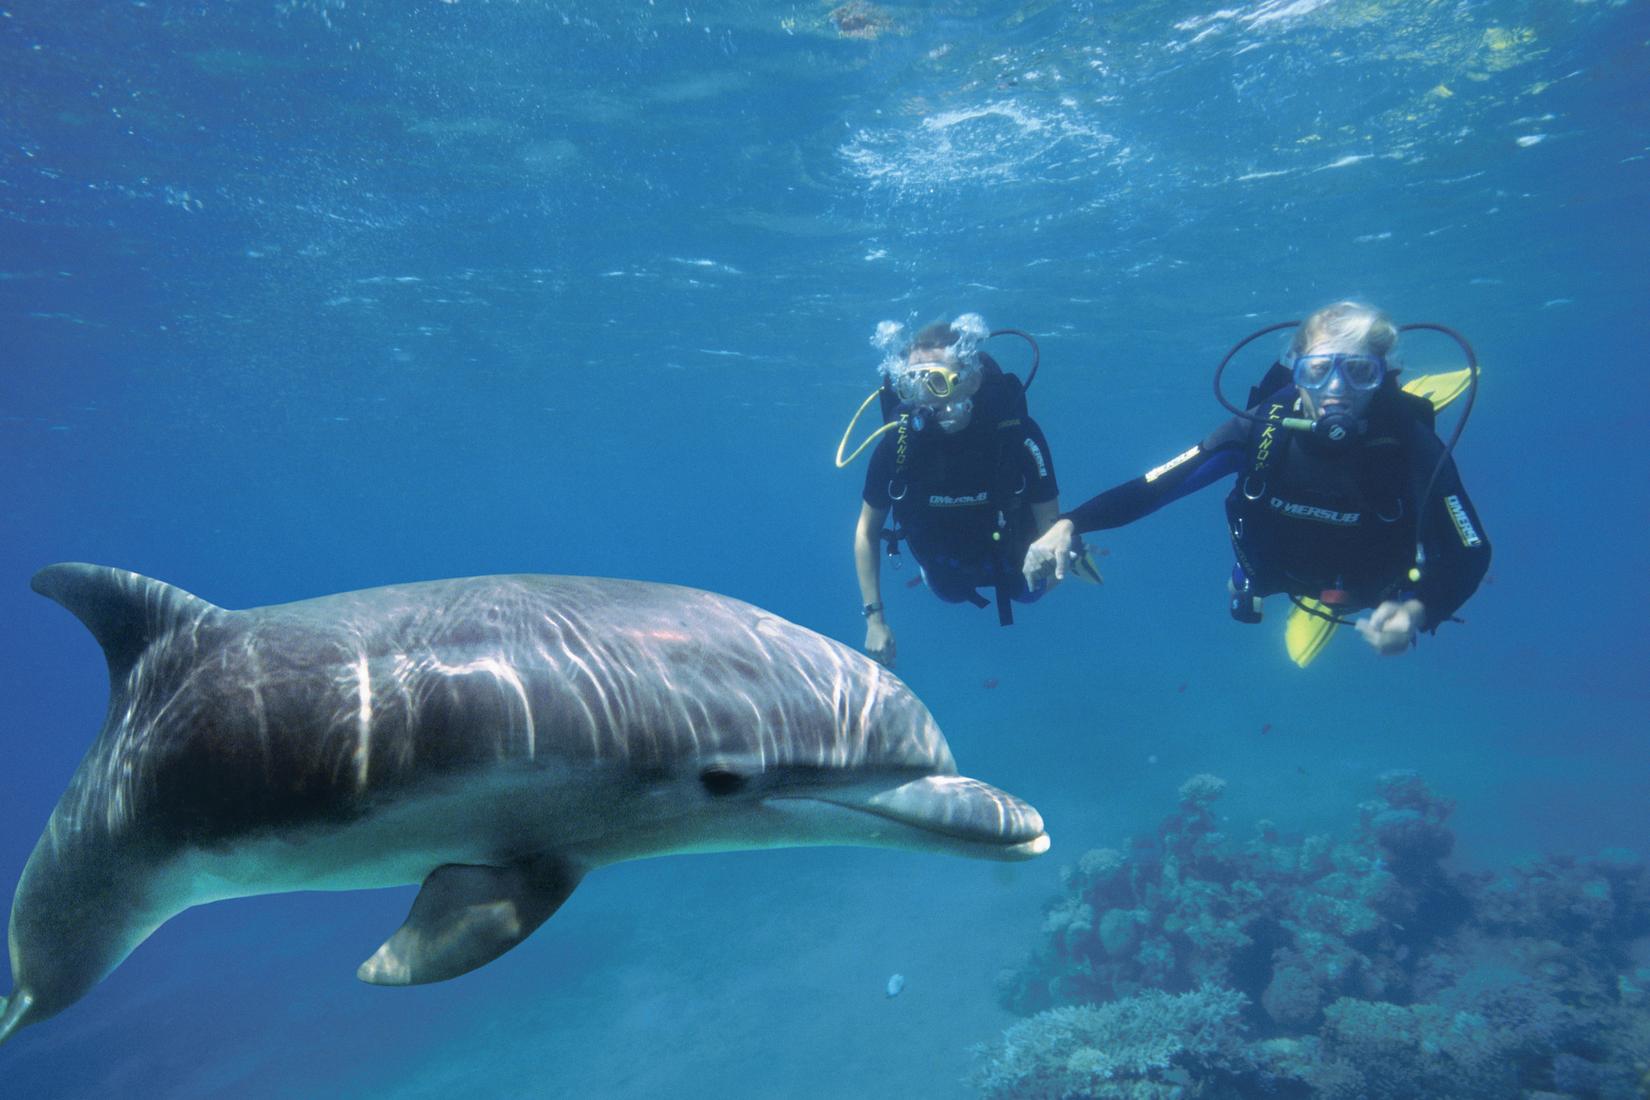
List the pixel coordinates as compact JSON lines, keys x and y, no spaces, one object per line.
{"x":925,"y":381}
{"x":1312,"y":371}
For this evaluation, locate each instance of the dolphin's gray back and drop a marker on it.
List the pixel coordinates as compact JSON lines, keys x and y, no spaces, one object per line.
{"x":222,"y":722}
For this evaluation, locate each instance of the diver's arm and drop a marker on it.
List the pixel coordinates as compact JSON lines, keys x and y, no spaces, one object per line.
{"x":1222,"y":453}
{"x":1043,"y":502}
{"x":1456,"y":547}
{"x":1043,"y":514}
{"x":1037,"y":465}
{"x":879,"y":639}
{"x":1046,"y":564}
{"x":1390,"y":628}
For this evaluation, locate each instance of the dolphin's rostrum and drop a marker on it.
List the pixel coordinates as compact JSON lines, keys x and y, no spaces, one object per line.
{"x":494,"y":738}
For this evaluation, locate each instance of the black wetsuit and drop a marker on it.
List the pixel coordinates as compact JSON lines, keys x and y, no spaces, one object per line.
{"x":962,"y":500}
{"x":1309,"y":519}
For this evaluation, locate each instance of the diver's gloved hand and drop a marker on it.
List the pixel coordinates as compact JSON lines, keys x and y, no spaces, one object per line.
{"x":1051,"y":555}
{"x":1391,"y":627}
{"x":879,"y":641}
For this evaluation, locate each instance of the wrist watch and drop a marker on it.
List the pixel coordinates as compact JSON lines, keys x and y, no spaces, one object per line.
{"x":871,"y":609}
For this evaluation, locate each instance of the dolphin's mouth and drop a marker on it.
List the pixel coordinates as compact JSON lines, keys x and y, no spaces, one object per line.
{"x":948,"y":812}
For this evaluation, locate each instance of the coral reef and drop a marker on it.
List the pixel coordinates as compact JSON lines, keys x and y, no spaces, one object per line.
{"x":1145,"y":1048}
{"x":1359,"y":969}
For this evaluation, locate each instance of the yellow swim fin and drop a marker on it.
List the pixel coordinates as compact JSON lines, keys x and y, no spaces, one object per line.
{"x":1305,"y":634}
{"x":1440,"y":389}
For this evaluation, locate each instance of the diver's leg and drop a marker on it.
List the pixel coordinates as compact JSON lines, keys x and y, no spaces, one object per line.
{"x":948,"y":580}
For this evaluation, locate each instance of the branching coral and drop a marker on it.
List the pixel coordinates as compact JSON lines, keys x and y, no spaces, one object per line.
{"x":1149,"y":1047}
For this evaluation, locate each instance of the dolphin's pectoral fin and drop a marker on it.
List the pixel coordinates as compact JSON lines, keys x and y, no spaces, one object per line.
{"x":12,"y":1011}
{"x":467,"y":916}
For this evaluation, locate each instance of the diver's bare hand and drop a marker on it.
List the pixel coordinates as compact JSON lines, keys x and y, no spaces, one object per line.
{"x":1050,"y":556}
{"x":879,"y":641}
{"x":1391,"y":627}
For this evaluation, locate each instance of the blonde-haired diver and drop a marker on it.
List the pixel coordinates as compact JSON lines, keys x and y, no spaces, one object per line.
{"x":1346,"y":499}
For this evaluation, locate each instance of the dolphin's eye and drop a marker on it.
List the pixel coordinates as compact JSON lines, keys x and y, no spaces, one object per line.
{"x":720,"y":782}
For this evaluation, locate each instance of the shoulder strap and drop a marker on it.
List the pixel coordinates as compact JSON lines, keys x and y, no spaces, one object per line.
{"x":904,"y":444}
{"x":1008,"y":409}
{"x":1268,"y":443}
{"x":1418,"y":408}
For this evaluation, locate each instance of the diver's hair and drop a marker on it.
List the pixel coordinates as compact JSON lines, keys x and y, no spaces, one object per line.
{"x":963,"y":335}
{"x":1347,"y":326}
{"x":939,"y":334}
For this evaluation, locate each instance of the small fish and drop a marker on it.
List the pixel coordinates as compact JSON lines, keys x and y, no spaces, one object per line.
{"x":1265,"y":728}
{"x":990,"y":683}
{"x":1104,"y":551}
{"x":1181,"y":690}
{"x":895,"y":984}
{"x":913,"y":582}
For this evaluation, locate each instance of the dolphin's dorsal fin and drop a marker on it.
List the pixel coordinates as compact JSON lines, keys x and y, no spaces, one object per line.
{"x":123,"y":610}
{"x":466,"y":916}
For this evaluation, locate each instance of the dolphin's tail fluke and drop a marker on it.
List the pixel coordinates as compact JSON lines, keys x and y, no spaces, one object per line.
{"x":12,"y":1011}
{"x":123,"y":610}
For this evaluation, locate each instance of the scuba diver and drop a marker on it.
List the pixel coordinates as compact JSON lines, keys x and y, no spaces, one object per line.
{"x":965,"y":470}
{"x":1346,"y":498}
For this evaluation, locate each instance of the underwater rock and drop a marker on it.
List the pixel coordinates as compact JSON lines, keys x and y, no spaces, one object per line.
{"x":861,"y":19}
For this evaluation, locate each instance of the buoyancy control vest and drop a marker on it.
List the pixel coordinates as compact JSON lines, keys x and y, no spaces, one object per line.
{"x":999,"y":409}
{"x":1312,"y":520}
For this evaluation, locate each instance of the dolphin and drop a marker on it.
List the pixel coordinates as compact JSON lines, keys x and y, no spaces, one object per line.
{"x":492,"y":738}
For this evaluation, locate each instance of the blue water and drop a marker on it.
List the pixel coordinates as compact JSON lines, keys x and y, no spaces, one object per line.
{"x":301,"y":296}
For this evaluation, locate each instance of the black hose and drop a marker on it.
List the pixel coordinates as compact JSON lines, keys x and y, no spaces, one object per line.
{"x":1237,"y":347}
{"x":1454,"y":437}
{"x":1036,"y":352}
{"x":1326,"y":616}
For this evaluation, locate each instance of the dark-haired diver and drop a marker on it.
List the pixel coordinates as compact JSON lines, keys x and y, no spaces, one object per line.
{"x":1332,"y":458}
{"x":963,"y":467}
